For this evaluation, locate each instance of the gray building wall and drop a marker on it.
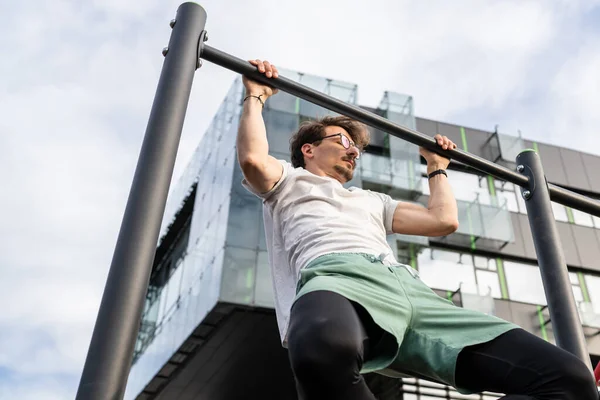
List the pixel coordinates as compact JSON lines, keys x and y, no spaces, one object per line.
{"x":563,"y":167}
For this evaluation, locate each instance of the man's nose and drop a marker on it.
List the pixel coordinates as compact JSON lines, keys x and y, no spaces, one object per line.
{"x":353,"y":150}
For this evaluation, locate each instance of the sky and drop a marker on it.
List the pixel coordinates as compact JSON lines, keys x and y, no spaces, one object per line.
{"x":78,"y":80}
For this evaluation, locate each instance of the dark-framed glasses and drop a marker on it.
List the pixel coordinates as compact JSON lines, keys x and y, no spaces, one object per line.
{"x":347,"y":143}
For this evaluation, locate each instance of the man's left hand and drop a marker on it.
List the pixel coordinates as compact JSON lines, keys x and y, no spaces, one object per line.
{"x":434,"y":159}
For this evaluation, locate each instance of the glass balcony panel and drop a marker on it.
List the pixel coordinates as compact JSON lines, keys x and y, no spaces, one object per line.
{"x":510,"y":146}
{"x":482,"y":303}
{"x":399,"y":108}
{"x":376,"y":168}
{"x":283,"y":101}
{"x":589,"y":314}
{"x":346,"y":92}
{"x":495,"y":223}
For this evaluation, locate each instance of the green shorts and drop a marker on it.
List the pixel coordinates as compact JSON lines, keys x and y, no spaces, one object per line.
{"x":425,"y":331}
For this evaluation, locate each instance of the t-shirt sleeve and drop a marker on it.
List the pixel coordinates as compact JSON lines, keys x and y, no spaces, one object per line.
{"x":266,"y":195}
{"x":389,"y":207}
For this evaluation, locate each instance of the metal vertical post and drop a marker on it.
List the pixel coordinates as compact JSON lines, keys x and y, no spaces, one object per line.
{"x":555,"y":276}
{"x":111,"y":349}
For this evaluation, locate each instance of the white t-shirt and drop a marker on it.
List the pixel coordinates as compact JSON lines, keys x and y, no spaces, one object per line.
{"x":307,"y":216}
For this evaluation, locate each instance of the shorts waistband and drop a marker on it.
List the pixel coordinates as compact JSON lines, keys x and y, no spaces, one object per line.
{"x":372,"y":258}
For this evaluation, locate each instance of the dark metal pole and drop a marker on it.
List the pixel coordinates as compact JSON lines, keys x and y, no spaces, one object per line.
{"x":555,"y":276}
{"x":111,"y":349}
{"x":240,"y":66}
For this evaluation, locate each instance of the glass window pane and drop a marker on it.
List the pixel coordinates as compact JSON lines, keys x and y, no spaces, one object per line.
{"x":264,"y":288}
{"x":520,"y":201}
{"x":524,"y":283}
{"x":466,"y":187}
{"x":593,"y":286}
{"x":481,"y":262}
{"x":280,"y":127}
{"x":444,"y":272}
{"x":573,"y":278}
{"x":466,"y":259}
{"x":488,"y":283}
{"x":450,"y":256}
{"x":582,"y":218}
{"x":560,"y":212}
{"x":237,"y":284}
{"x":577,"y":293}
{"x":509,"y":199}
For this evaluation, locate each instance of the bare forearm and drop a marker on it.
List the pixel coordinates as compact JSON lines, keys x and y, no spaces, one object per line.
{"x":252,"y":134}
{"x":442,"y":203}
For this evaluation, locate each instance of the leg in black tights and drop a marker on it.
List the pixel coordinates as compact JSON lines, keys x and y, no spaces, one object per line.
{"x":326,"y":346}
{"x":524,"y":367}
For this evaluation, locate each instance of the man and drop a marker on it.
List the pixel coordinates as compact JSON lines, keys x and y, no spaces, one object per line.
{"x":345,"y":306}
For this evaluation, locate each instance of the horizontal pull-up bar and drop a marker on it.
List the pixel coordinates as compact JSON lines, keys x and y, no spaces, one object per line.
{"x":558,"y":194}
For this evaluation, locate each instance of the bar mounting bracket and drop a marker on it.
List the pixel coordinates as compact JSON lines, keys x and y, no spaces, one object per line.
{"x":203,"y":38}
{"x":527,"y":192}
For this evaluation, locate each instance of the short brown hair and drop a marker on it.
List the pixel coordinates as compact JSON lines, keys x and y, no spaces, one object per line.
{"x":312,"y":131}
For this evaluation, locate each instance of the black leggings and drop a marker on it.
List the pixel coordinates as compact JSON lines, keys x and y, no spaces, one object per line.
{"x":329,"y":337}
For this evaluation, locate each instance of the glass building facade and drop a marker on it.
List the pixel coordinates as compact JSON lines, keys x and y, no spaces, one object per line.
{"x":213,"y":248}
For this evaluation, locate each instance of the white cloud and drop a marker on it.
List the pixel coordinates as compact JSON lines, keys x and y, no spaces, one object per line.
{"x":79,"y":83}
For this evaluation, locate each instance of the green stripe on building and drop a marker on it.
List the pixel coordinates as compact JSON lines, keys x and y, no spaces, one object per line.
{"x":502,"y":277}
{"x":463,"y":135}
{"x":570,"y":215}
{"x":297,"y":105}
{"x":583,"y":286}
{"x":473,"y":246}
{"x":542,"y":323}
{"x":491,"y":186}
{"x":413,"y":257}
{"x":535,"y":147}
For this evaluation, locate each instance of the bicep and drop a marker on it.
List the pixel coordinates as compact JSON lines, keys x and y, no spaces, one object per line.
{"x":262,"y":175}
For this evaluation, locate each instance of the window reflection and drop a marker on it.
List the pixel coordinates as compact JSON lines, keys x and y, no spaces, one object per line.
{"x":466,"y":187}
{"x":524,"y":283}
{"x":441,"y":270}
{"x":593,"y":286}
{"x":582,"y":218}
{"x":560,"y":212}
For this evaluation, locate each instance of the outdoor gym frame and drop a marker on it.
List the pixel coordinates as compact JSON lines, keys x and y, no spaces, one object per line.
{"x":110,"y":353}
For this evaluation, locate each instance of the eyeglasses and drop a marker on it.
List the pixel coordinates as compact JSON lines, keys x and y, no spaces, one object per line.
{"x":345,"y":142}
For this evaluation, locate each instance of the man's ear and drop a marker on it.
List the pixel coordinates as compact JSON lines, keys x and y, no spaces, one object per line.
{"x":307,"y":150}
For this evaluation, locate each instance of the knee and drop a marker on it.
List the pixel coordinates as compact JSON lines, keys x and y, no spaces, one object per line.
{"x":317,"y":349}
{"x":578,"y":381}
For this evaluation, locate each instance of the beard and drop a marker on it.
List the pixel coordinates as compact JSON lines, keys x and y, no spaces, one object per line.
{"x":344,"y":171}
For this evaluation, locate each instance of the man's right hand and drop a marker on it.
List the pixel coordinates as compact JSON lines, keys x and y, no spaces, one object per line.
{"x":258,"y":89}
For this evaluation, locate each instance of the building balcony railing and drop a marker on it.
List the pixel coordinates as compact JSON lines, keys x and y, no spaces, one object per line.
{"x":503,"y":149}
{"x":588,"y":315}
{"x":398,"y":176}
{"x":285,"y":102}
{"x":481,"y":225}
{"x":478,"y":299}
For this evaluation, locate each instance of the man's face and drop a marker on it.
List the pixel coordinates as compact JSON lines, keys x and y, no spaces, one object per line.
{"x":331,"y":157}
